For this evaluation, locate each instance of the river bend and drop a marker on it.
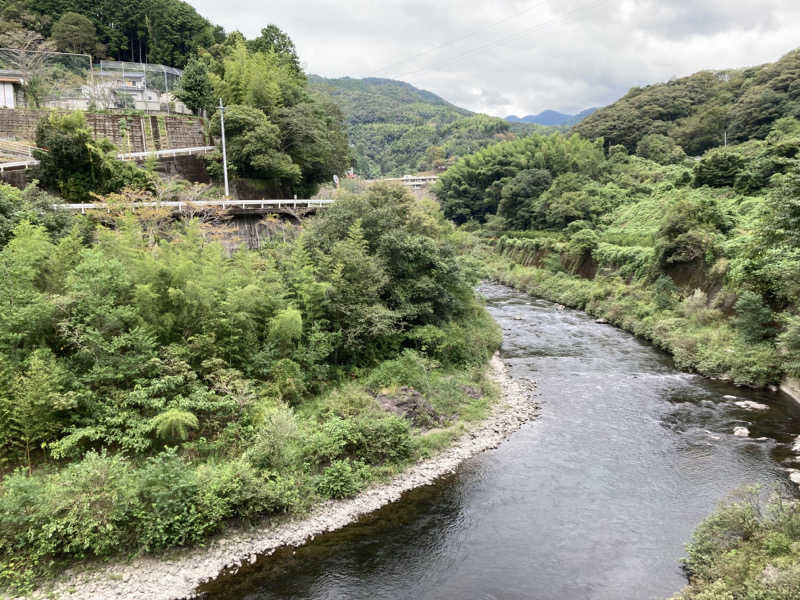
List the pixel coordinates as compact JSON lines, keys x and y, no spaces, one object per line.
{"x":594,"y":500}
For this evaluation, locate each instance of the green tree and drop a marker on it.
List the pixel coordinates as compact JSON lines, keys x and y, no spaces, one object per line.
{"x":519,"y":194}
{"x":273,"y":39}
{"x":195,"y":89}
{"x":753,"y":317}
{"x":254,"y":147}
{"x":36,"y":402}
{"x":661,"y":149}
{"x":74,"y":164}
{"x":718,"y":169}
{"x":75,"y":33}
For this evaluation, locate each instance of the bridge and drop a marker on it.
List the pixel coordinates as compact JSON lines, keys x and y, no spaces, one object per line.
{"x":25,"y":163}
{"x":295,"y":207}
{"x":414,"y":182}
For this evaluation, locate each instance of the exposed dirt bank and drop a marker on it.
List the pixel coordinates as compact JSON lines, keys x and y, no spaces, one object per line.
{"x":168,"y":579}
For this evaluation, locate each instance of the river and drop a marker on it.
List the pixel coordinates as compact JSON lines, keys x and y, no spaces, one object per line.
{"x":596,"y":499}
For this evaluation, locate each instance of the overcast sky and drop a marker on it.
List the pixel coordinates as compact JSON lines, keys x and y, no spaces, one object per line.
{"x":522,"y":56}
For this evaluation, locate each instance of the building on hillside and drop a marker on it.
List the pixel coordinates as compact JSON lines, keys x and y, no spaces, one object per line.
{"x":122,"y":85}
{"x":11,"y":95}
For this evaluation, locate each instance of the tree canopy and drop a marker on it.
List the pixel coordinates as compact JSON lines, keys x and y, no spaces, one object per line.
{"x":703,"y":110}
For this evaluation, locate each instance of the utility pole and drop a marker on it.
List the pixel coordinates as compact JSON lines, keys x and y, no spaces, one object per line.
{"x":224,"y":154}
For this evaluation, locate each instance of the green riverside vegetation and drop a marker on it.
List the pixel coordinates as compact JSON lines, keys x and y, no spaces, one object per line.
{"x":155,"y":387}
{"x":747,"y":550}
{"x":700,"y":256}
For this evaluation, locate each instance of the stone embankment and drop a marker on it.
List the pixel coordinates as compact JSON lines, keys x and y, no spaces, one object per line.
{"x":178,"y":577}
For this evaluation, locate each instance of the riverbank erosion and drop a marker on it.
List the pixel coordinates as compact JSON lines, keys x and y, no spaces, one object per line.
{"x":177,"y":577}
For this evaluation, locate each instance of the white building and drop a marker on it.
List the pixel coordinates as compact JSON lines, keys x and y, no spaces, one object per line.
{"x":11,"y":89}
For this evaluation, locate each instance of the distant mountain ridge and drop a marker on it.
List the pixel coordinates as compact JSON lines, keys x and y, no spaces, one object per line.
{"x":552,"y":118}
{"x":396,"y":128}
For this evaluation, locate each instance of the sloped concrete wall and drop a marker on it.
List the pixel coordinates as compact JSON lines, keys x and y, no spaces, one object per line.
{"x":130,"y":133}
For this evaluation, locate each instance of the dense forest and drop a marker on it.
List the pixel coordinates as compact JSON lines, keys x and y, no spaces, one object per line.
{"x":157,"y":31}
{"x":704,"y":110}
{"x":395,"y":128}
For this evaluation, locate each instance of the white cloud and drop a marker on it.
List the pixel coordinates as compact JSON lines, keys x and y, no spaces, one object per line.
{"x":522,"y":56}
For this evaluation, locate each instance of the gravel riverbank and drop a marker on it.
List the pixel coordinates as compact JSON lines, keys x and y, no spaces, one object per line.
{"x":167,"y":579}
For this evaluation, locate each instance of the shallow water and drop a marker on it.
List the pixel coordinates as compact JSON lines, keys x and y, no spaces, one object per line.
{"x":594,"y":500}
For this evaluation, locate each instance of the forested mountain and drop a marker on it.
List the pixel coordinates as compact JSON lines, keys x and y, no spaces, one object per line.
{"x":395,"y":128}
{"x":697,"y":111}
{"x":552,"y":118}
{"x":156,"y":31}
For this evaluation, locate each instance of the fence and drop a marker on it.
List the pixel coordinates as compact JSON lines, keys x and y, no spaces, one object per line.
{"x":74,"y":82}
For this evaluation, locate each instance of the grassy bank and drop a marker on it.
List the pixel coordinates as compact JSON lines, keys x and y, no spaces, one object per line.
{"x":699,"y":337}
{"x":746,"y":551}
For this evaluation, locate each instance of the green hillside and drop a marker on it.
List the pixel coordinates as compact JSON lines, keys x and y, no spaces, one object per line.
{"x":698,"y":110}
{"x":395,"y":128}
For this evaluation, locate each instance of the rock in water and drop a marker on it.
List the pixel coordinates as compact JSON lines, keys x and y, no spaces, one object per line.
{"x":750,"y":405}
{"x":741,"y":431}
{"x":796,"y":445}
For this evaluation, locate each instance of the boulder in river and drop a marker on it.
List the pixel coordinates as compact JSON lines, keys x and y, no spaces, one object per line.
{"x":741,"y":431}
{"x":750,"y":405}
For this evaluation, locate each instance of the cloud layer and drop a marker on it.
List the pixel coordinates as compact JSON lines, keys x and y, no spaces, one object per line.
{"x":522,"y":56}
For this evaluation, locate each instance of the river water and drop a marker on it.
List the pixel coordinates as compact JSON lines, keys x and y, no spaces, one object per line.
{"x":596,"y":499}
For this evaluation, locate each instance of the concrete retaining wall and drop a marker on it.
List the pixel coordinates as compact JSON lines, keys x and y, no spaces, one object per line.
{"x":130,"y":133}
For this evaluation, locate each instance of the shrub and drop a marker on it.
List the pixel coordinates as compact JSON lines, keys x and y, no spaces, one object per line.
{"x":340,"y":480}
{"x":288,"y":376}
{"x":470,"y":341}
{"x":695,"y":307}
{"x":167,"y":513}
{"x":271,"y":448}
{"x":789,"y":345}
{"x":753,"y":318}
{"x":734,"y":522}
{"x":89,"y":506}
{"x":382,"y":440}
{"x":665,"y":292}
{"x":411,"y":368}
{"x":24,"y":551}
{"x":236,"y":489}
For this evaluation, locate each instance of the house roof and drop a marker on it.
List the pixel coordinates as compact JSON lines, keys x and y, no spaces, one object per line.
{"x":8,"y":76}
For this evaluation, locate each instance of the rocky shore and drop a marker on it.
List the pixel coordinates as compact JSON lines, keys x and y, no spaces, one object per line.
{"x":178,"y":577}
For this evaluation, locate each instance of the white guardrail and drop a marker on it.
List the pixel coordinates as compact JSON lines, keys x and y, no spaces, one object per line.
{"x":195,"y":150}
{"x":200,"y":205}
{"x":166,"y":153}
